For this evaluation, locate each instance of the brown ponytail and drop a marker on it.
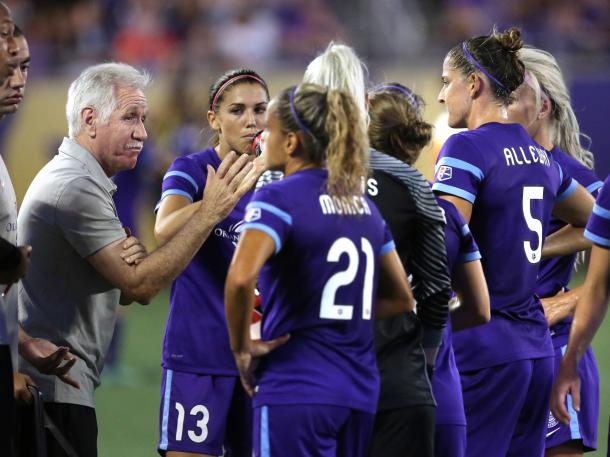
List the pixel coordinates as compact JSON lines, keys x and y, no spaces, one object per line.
{"x":396,"y":126}
{"x":347,"y":146}
{"x":332,"y":133}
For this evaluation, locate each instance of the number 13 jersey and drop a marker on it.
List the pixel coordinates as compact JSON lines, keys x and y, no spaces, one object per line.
{"x":319,"y":286}
{"x":513,"y":185}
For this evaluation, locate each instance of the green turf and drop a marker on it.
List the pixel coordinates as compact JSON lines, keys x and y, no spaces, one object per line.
{"x":128,"y":416}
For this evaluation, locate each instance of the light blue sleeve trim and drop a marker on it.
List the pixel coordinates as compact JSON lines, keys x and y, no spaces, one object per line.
{"x":601,"y":212}
{"x":184,"y":175}
{"x":569,"y":191}
{"x":268,"y":230}
{"x":389,"y":246}
{"x":164,"y":422}
{"x":454,"y":191}
{"x":560,"y":171}
{"x":597,"y":239}
{"x":461,"y":164}
{"x":465,"y":230}
{"x":283,"y":215}
{"x":593,"y":187}
{"x":574,"y":425}
{"x":169,"y":192}
{"x":180,"y":192}
{"x":265,"y":448}
{"x":469,"y":257}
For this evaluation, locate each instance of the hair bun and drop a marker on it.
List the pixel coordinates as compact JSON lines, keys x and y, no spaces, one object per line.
{"x":510,"y":39}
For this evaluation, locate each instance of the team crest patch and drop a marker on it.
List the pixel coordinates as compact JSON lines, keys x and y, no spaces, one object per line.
{"x":253,"y":214}
{"x":444,"y":173}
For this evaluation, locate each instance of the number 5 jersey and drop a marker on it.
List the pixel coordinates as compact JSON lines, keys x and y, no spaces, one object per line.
{"x":319,"y":286}
{"x":513,"y":185}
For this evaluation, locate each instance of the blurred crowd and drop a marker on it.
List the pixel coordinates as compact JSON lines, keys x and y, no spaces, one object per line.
{"x":192,"y":35}
{"x":186,"y":34}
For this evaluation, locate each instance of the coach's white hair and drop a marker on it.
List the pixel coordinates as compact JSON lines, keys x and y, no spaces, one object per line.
{"x":565,"y":131}
{"x":340,"y":68}
{"x":96,"y":88}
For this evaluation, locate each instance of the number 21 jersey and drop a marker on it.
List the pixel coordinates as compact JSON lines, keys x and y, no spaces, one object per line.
{"x":320,"y":287}
{"x":513,"y":185}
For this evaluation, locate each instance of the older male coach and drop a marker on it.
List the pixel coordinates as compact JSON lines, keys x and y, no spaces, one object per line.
{"x":85,"y":265}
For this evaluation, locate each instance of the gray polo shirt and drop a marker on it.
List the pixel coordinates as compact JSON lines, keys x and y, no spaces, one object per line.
{"x":67,"y":215}
{"x":8,"y":231}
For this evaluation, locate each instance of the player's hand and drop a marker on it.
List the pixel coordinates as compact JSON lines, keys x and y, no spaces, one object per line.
{"x":20,"y":387}
{"x":48,"y":358}
{"x":247,"y":362}
{"x":133,"y":250}
{"x":222,"y":188}
{"x":567,"y":382}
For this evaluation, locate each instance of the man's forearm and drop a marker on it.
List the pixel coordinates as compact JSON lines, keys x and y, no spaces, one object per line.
{"x":163,"y":265}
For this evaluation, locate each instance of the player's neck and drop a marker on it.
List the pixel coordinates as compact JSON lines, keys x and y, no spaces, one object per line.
{"x":543,"y":137}
{"x":294,"y":165}
{"x":486,"y":110}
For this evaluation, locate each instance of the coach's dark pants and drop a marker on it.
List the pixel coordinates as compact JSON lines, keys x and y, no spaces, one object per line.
{"x":7,"y":402}
{"x":77,"y":423}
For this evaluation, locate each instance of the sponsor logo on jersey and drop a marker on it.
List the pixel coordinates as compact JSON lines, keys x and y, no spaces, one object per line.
{"x":444,"y":173}
{"x":253,"y":214}
{"x":232,"y":233}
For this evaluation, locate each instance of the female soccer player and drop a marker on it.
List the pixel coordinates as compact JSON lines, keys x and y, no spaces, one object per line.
{"x":405,"y":401}
{"x":590,"y":311}
{"x":405,"y":200}
{"x":203,"y":407}
{"x":319,"y":248}
{"x":542,"y":106}
{"x":505,"y":186}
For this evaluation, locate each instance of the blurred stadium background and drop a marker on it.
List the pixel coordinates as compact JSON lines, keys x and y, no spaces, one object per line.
{"x":186,"y":44}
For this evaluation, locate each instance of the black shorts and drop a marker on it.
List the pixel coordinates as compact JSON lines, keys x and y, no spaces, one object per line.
{"x":77,"y":423}
{"x":404,"y":432}
{"x":7,"y":402}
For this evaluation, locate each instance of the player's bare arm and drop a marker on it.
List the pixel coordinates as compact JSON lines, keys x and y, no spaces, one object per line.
{"x":590,"y":312}
{"x":253,"y":250}
{"x":471,"y":288}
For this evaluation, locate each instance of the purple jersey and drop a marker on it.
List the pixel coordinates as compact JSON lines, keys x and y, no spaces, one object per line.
{"x":555,"y":273}
{"x":461,"y":248}
{"x":196,"y":336}
{"x":598,"y":227}
{"x":513,"y":185}
{"x":319,"y":287}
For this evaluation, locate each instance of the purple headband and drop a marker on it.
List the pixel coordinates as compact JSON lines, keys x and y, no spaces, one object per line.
{"x":480,"y":67}
{"x":295,"y":115}
{"x":405,"y":91}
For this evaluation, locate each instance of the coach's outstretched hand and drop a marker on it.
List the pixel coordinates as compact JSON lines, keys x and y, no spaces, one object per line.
{"x":49,"y":358}
{"x":223,"y":187}
{"x":567,"y":382}
{"x":248,"y":361}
